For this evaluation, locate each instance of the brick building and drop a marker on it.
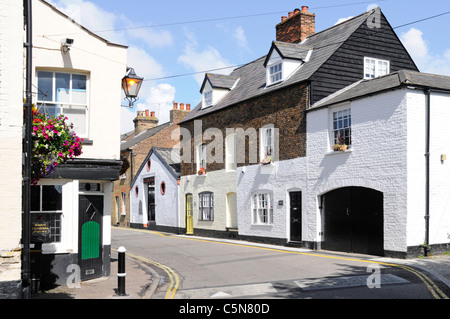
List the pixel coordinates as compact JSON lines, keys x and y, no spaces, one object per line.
{"x":135,"y":148}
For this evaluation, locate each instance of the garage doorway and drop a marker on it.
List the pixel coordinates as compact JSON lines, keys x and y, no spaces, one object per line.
{"x":353,"y":220}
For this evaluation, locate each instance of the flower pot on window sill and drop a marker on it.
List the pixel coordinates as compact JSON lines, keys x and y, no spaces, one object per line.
{"x":340,"y":148}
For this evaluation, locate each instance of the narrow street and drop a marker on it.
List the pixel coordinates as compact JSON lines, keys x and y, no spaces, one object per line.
{"x":201,"y":268}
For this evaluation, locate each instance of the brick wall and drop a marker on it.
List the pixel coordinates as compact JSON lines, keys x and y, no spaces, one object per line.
{"x":284,"y":109}
{"x":296,"y":27}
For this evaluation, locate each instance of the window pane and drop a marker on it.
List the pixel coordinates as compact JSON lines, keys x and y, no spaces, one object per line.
{"x":79,"y":94}
{"x":62,"y":83}
{"x":35,"y":198}
{"x":52,"y":198}
{"x":45,"y":86}
{"x":49,"y":109}
{"x":77,"y":116}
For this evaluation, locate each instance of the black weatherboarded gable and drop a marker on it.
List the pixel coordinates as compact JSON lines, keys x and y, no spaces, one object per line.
{"x":373,"y":39}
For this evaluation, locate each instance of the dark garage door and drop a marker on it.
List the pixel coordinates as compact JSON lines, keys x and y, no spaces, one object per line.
{"x":353,"y":220}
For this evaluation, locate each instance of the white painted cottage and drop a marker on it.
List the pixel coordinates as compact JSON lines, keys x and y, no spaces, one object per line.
{"x":154,"y":191}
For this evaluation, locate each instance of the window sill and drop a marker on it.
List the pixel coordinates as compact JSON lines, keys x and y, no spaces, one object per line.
{"x":350,"y":150}
{"x":263,"y":225}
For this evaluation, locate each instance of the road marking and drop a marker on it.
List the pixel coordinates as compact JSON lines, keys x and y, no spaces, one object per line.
{"x":431,"y":286}
{"x":173,"y":277}
{"x":229,"y":291}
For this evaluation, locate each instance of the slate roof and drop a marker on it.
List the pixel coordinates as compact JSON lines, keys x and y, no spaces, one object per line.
{"x":390,"y":81}
{"x":252,"y":76}
{"x":129,"y":143}
{"x":219,"y":81}
{"x":289,"y":50}
{"x":165,"y":156}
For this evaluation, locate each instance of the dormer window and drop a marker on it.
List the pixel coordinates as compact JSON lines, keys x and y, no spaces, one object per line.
{"x":284,"y":60}
{"x":276,"y":73}
{"x":208,"y":98}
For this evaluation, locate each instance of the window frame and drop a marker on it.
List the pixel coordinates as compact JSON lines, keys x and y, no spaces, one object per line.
{"x":202,"y":156}
{"x":60,"y":106}
{"x":206,"y":213}
{"x":347,"y":138}
{"x":208,"y":98}
{"x":264,"y":138}
{"x":376,"y":71}
{"x":231,"y":152}
{"x":57,"y":213}
{"x":258,"y":210}
{"x":275,"y":72}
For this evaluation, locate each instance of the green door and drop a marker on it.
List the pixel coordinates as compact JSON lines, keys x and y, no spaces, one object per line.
{"x":90,"y":236}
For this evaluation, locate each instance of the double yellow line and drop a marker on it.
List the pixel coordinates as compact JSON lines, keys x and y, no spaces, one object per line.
{"x":173,"y":277}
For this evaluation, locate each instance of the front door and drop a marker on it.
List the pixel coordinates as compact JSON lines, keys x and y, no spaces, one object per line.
{"x":295,"y":200}
{"x":90,"y":236}
{"x":189,"y":215}
{"x":151,"y":200}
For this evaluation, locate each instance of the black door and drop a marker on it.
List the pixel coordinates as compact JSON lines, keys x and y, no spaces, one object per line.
{"x":90,"y":236}
{"x":151,"y":200}
{"x":353,"y":220}
{"x":295,"y":199}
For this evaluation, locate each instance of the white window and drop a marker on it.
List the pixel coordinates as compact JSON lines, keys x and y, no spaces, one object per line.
{"x":201,"y":156}
{"x":206,"y":206}
{"x":124,"y":204}
{"x":342,"y":127}
{"x":262,"y":208}
{"x":276,"y":73}
{"x":374,"y":68}
{"x":207,"y":98}
{"x":64,"y":93}
{"x":230,"y":157}
{"x":46,"y":213}
{"x":267,"y":142}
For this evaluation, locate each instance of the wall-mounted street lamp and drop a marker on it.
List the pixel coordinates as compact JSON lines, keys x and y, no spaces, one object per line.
{"x":131,"y":84}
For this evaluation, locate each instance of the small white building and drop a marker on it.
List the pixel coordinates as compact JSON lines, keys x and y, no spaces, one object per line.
{"x":78,"y":74}
{"x":154,"y":192}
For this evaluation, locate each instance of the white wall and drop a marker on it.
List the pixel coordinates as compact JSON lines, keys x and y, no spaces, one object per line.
{"x":104,"y":63}
{"x":280,"y":179}
{"x":166,"y":206}
{"x":377,"y":159}
{"x":220,"y":183}
{"x":11,"y":117}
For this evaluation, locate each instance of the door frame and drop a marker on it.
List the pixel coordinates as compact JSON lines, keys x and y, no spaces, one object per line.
{"x":95,"y":264}
{"x":189,"y":214}
{"x":298,"y":219}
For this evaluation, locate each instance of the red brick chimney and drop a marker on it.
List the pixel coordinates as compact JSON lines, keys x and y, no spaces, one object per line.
{"x":144,"y":121}
{"x":297,"y":26}
{"x":179,"y":112}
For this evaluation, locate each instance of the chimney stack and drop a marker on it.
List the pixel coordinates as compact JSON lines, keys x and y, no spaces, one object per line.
{"x":297,"y":26}
{"x":178,"y":112}
{"x":144,"y":121}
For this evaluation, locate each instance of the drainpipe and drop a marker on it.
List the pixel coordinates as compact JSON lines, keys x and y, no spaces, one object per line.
{"x":26,"y":223}
{"x":427,"y":171}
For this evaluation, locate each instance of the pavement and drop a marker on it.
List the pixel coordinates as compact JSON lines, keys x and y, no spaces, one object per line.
{"x":142,"y":280}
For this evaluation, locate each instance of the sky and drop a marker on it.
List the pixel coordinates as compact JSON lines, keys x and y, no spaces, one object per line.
{"x":173,"y":43}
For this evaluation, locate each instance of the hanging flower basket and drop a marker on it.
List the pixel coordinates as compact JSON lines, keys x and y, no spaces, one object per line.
{"x":125,"y":165}
{"x":53,"y":143}
{"x":202,"y":171}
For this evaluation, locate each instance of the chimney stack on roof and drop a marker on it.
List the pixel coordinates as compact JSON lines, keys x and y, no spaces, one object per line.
{"x":297,"y":26}
{"x":144,"y":120}
{"x":179,"y":111}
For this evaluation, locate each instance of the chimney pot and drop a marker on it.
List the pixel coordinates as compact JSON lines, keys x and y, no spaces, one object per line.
{"x":299,"y":26}
{"x":152,"y":114}
{"x":146,"y":113}
{"x":291,"y":14}
{"x":305,"y":9}
{"x":175,"y":105}
{"x":188,"y":107}
{"x":283,"y":18}
{"x":182,"y":106}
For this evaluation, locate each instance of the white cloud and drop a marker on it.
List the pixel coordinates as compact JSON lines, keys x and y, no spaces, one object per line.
{"x":239,"y":36}
{"x":425,"y":60}
{"x":200,"y":60}
{"x":343,"y":20}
